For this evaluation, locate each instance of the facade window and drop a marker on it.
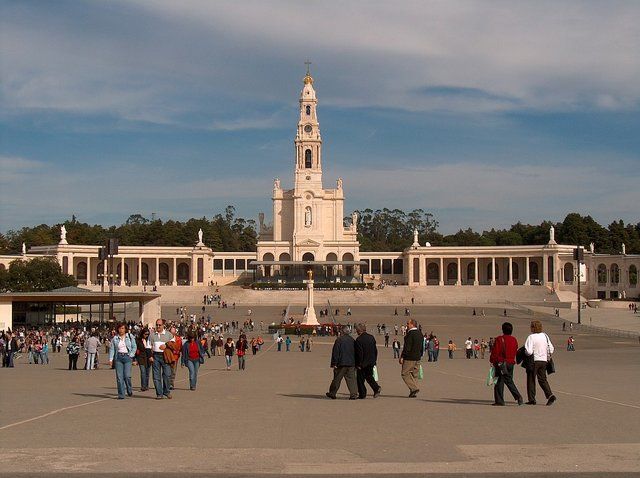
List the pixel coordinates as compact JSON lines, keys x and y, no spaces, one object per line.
{"x":615,"y":274}
{"x":228,"y":264}
{"x":308,"y":108}
{"x":602,"y":274}
{"x":633,"y":275}
{"x":398,"y":266}
{"x":217,"y":264}
{"x":307,"y":159}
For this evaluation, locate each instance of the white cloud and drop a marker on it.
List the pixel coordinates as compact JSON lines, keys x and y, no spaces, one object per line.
{"x":471,"y":194}
{"x":157,"y":60}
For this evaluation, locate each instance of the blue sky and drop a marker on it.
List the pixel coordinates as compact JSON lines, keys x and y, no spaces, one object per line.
{"x":483,"y":113}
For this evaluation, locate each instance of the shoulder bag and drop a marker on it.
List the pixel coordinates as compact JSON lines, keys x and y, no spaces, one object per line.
{"x":551,"y":367}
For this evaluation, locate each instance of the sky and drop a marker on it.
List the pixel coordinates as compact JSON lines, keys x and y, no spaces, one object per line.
{"x":483,"y":113}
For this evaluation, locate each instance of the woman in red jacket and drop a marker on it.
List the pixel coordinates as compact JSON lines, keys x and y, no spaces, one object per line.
{"x":241,"y":349}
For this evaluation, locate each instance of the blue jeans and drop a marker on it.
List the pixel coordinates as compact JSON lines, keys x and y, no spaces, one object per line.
{"x":193,"y":366}
{"x":44,"y":356}
{"x":161,"y":375}
{"x":228,"y":358}
{"x":91,"y":359}
{"x":123,"y":374}
{"x":144,"y":375}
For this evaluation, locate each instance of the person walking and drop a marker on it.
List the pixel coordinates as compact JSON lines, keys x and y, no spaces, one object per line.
{"x":229,"y":348}
{"x":11,"y":348}
{"x":143,"y":353}
{"x":161,"y":369}
{"x":91,"y":347}
{"x":411,"y":356}
{"x":121,"y":352}
{"x":73,"y":350}
{"x":468,"y":347}
{"x":176,"y":350}
{"x":366,"y":359}
{"x":192,"y":357}
{"x":539,"y":346}
{"x":44,"y":353}
{"x":343,"y":363}
{"x":436,"y":348}
{"x":396,"y":348}
{"x":287,"y":343}
{"x":241,"y":350}
{"x":570,"y":344}
{"x":503,"y":359}
{"x":279,"y":341}
{"x":451,"y":347}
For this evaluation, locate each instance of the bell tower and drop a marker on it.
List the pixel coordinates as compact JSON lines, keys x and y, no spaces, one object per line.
{"x":308,"y":143}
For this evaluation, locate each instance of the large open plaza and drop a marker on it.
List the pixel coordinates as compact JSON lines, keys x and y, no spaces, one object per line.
{"x":274,"y":418}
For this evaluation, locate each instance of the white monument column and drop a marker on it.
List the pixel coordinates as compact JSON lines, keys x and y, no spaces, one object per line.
{"x":157,"y":277}
{"x":121,"y":271}
{"x":409,"y":267}
{"x":175,"y":272}
{"x":527,"y":280}
{"x":441,"y":271}
{"x":139,"y":271}
{"x":475,"y":271}
{"x":88,"y":270}
{"x":545,"y":269}
{"x":493,"y":271}
{"x":510,"y":271}
{"x":310,"y":312}
{"x":422,"y":270}
{"x":104,"y":273}
{"x":459,"y":281}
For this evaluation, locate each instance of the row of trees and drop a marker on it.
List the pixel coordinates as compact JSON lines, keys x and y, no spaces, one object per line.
{"x":224,"y":232}
{"x":379,"y":230}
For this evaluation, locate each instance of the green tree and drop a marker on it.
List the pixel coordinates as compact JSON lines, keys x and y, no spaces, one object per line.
{"x":37,"y":275}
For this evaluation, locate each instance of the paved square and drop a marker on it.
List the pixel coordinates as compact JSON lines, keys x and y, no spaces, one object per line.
{"x":273,"y":418}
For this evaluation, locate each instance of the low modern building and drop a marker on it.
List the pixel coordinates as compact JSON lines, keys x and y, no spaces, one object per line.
{"x":308,"y":231}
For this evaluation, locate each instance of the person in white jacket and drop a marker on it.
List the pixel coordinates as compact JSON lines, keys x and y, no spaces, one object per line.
{"x":540,"y":347}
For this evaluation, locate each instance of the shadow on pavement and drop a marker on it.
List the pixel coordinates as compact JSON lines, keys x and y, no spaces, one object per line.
{"x":460,"y":401}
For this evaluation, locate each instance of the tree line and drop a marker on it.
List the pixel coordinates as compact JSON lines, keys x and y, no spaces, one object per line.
{"x":378,"y":230}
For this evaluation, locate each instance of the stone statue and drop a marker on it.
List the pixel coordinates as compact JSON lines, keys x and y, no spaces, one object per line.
{"x":63,"y":234}
{"x":552,"y":235}
{"x":339,"y":183}
{"x":354,"y":219}
{"x":24,"y":249}
{"x":624,"y":249}
{"x":200,"y":237}
{"x":276,"y":183}
{"x":307,"y":216}
{"x":310,"y":274}
{"x":592,"y":248}
{"x":415,"y":238}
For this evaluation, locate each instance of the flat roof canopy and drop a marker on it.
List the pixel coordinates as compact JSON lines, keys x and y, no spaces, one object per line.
{"x":307,"y":263}
{"x":77,"y":298}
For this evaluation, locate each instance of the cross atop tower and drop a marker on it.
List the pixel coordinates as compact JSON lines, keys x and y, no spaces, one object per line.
{"x":308,"y":63}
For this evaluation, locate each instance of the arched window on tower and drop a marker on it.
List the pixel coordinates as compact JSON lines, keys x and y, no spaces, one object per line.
{"x":308,"y":109}
{"x":307,"y":158}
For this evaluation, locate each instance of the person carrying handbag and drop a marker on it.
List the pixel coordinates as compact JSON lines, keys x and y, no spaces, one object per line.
{"x":539,"y":346}
{"x":503,"y":358}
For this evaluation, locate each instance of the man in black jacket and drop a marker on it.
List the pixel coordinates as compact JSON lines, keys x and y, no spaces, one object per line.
{"x":343,"y":363}
{"x":366,"y":358}
{"x":410,"y":357}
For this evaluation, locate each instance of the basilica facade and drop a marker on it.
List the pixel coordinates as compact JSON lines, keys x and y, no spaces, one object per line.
{"x":308,"y":233}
